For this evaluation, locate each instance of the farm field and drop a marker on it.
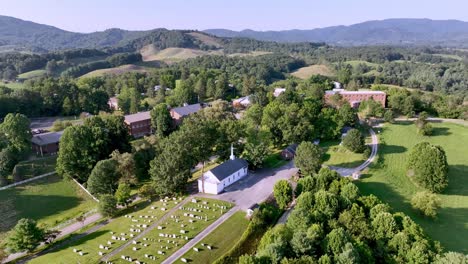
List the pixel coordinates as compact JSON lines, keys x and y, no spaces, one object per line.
{"x":158,"y":245}
{"x":221,"y":240}
{"x":89,"y":244}
{"x":116,"y":71}
{"x":173,"y":54}
{"x":387,"y":179}
{"x":51,"y":201}
{"x":307,"y":72}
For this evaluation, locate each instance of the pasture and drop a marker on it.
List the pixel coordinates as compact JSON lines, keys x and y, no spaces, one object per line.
{"x":50,"y":201}
{"x":220,"y":240}
{"x":387,"y":180}
{"x":116,"y":70}
{"x":307,"y":72}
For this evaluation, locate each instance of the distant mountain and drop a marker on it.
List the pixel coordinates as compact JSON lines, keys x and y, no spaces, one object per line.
{"x":17,"y":34}
{"x":389,"y":31}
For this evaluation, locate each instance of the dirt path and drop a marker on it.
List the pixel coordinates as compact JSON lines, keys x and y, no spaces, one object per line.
{"x":179,"y":253}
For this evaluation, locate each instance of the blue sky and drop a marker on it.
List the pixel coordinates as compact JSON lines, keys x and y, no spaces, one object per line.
{"x":93,"y":15}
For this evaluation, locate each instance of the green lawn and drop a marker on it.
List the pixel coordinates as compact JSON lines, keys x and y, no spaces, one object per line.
{"x":89,"y":244}
{"x":51,"y":201}
{"x":173,"y":226}
{"x":339,"y":156}
{"x":32,"y":168}
{"x":274,"y":160}
{"x":221,"y":240}
{"x":387,"y":180}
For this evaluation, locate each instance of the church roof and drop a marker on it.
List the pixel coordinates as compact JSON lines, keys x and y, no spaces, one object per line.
{"x":228,"y":167}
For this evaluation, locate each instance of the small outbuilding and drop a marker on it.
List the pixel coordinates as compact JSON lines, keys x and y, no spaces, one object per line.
{"x":46,"y":143}
{"x":289,"y":152}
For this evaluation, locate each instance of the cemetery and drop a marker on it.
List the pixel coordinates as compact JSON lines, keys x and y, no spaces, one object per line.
{"x":93,"y":247}
{"x":175,"y":231}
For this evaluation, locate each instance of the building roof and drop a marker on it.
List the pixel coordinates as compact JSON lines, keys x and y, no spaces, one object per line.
{"x":137,"y":117}
{"x":342,"y":91}
{"x":228,"y":167}
{"x":292,"y":148}
{"x":187,"y":110}
{"x":47,"y":138}
{"x":242,"y":100}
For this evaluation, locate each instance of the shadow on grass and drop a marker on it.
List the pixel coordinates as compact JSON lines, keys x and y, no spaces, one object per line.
{"x":392,"y":149}
{"x":458,"y":177}
{"x":77,"y":241}
{"x":441,"y":131}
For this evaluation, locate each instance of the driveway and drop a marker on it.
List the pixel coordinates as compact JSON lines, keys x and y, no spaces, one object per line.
{"x":256,"y":187}
{"x":374,"y":146}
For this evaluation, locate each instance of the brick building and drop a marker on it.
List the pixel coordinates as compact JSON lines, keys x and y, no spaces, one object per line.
{"x":46,"y":143}
{"x":139,"y":124}
{"x":354,"y":98}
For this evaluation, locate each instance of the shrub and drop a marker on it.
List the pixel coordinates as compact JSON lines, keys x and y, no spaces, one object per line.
{"x":427,"y":203}
{"x":283,"y":193}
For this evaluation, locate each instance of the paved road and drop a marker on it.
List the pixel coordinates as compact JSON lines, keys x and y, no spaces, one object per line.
{"x":63,"y":232}
{"x":349,"y":171}
{"x":256,"y":187}
{"x":179,"y":253}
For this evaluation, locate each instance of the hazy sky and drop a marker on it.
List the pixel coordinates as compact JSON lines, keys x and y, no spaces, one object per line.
{"x":93,"y":15}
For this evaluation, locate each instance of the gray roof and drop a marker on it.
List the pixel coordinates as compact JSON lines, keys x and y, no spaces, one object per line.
{"x":228,"y":167}
{"x":187,"y":110}
{"x":46,"y":138}
{"x":137,"y":117}
{"x":292,"y":148}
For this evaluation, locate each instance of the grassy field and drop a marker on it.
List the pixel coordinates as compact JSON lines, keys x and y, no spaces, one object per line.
{"x":208,"y":40}
{"x":307,"y":72}
{"x":354,"y":63}
{"x":221,"y":240}
{"x":32,"y":74}
{"x":173,"y":226}
{"x":339,"y":156}
{"x":173,"y":54}
{"x":50,"y":201}
{"x":274,"y":160}
{"x":89,"y":244}
{"x":12,"y":85}
{"x":387,"y":179}
{"x":116,"y":71}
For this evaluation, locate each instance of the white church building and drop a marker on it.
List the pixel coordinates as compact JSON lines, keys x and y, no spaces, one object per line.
{"x":215,"y":180}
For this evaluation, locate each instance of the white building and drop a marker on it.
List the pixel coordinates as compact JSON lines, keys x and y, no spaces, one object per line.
{"x":278,"y":91}
{"x":242,"y":102}
{"x":215,"y":180}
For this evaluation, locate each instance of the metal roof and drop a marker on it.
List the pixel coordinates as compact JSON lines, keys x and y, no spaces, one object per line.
{"x":227,"y":168}
{"x":137,"y":117}
{"x":187,"y":110}
{"x":46,"y":138}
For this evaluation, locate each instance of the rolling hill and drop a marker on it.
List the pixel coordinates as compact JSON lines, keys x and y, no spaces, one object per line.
{"x":378,"y":32}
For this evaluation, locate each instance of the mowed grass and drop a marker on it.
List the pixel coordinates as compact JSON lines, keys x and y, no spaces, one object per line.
{"x":116,"y":71}
{"x":173,"y":226}
{"x":51,"y":201}
{"x":89,"y":244}
{"x":387,"y":179}
{"x":307,"y":72}
{"x":221,"y":240}
{"x":339,"y":156}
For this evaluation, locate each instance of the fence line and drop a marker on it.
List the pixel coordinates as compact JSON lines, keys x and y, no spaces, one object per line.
{"x":84,"y":189}
{"x":26,"y":181}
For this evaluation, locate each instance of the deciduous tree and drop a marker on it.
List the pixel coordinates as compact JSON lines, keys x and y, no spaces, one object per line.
{"x":25,"y":236}
{"x":308,"y":158}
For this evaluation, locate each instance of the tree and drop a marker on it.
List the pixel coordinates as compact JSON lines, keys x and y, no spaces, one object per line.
{"x":452,"y":258}
{"x":354,"y":141}
{"x":123,"y":194}
{"x":427,"y":165}
{"x":8,"y":160}
{"x":384,"y":226}
{"x":161,"y":120}
{"x":423,"y":126}
{"x":104,"y":177}
{"x":308,"y":158}
{"x":16,"y":129}
{"x":25,"y":236}
{"x":255,"y":153}
{"x":427,"y":203}
{"x":388,"y":116}
{"x":125,"y":167}
{"x":107,"y":205}
{"x":283,"y":193}
{"x":336,"y":240}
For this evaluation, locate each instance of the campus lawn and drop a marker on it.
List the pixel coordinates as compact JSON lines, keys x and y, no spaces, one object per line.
{"x":89,"y":244}
{"x":388,"y":181}
{"x":339,"y":156}
{"x":50,"y":200}
{"x":221,"y":240}
{"x":172,"y":226}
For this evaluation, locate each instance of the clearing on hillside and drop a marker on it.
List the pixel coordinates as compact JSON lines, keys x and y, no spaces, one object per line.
{"x":387,"y":180}
{"x":50,"y":200}
{"x":116,"y":70}
{"x":32,"y":74}
{"x":150,"y":53}
{"x":206,"y":39}
{"x":308,"y":71}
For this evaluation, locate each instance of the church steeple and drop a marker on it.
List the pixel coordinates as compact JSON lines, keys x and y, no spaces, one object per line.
{"x":232,"y":157}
